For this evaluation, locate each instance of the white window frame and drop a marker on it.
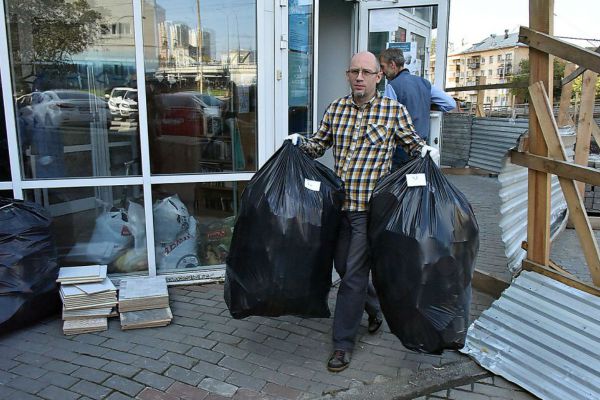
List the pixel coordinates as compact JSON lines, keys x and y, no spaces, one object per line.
{"x":266,"y":105}
{"x":441,"y":50}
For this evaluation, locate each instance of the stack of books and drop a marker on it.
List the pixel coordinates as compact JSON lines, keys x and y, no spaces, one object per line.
{"x":144,"y":303}
{"x":88,"y":297}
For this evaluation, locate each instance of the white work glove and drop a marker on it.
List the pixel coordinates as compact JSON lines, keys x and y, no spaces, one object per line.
{"x":433,"y":152}
{"x":295,"y":138}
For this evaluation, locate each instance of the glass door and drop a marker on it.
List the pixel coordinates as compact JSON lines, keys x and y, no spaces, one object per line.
{"x":419,"y":28}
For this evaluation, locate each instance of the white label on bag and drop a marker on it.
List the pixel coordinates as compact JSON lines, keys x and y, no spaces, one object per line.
{"x":415,"y":180}
{"x":312,"y":185}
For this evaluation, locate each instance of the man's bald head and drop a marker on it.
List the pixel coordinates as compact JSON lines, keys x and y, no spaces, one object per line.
{"x":368,"y":57}
{"x":363,"y":75}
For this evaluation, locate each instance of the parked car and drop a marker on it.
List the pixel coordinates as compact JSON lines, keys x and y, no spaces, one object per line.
{"x":54,"y":108}
{"x":189,"y":114}
{"x":115,"y":98}
{"x":129,"y":104}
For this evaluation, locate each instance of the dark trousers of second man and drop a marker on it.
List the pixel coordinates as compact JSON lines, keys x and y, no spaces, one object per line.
{"x":356,"y":292}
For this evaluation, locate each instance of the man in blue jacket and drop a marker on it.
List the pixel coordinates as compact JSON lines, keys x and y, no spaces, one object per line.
{"x":418,"y":95}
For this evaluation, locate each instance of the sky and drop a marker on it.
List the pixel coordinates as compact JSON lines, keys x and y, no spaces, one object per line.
{"x":474,"y":20}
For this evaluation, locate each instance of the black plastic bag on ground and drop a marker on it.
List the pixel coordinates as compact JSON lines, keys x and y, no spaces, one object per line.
{"x":424,"y":242}
{"x":281,"y":253}
{"x":28,"y":267}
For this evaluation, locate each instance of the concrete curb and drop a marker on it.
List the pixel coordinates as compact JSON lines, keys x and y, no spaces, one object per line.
{"x":420,"y":384}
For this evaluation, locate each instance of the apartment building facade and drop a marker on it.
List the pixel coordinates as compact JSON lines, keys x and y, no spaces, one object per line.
{"x":494,"y":60}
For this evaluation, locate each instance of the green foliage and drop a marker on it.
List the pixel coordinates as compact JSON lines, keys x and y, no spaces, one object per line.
{"x":55,"y":29}
{"x":522,"y":76}
{"x":578,"y":82}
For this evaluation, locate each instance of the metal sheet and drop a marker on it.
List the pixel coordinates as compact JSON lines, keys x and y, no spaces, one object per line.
{"x":513,"y":209}
{"x":491,"y":138}
{"x":542,"y":335}
{"x":456,"y":139}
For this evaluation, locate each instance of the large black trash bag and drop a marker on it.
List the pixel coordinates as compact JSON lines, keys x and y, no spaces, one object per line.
{"x":28,"y":267}
{"x":424,"y":241}
{"x":281,"y":252}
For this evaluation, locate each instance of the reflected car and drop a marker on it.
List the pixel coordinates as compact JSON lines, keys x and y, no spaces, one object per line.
{"x":115,"y":98}
{"x":129,"y":105}
{"x":54,"y":108}
{"x":189,"y":114}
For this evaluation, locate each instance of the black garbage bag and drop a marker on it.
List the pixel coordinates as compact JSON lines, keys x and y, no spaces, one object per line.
{"x":281,"y":253}
{"x":28,"y":266}
{"x":424,"y":241}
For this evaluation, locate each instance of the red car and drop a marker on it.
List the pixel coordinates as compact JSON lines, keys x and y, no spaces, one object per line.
{"x":188,"y":114}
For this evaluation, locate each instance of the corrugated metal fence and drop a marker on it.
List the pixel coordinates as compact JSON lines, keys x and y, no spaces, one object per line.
{"x":490,"y":140}
{"x":456,"y":139}
{"x":542,"y":335}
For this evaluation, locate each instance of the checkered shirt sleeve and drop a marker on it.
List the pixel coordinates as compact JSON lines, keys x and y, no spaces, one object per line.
{"x":363,"y":139}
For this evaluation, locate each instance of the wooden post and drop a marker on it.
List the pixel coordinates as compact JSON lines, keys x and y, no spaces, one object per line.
{"x":479,"y":111}
{"x":577,"y":213}
{"x":564,"y":117}
{"x":585,"y":122}
{"x":541,"y":18}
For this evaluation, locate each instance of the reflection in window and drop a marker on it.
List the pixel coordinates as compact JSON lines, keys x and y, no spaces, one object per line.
{"x":4,"y":161}
{"x":66,"y":59}
{"x":97,"y":225}
{"x":193,"y":224}
{"x":300,"y":66}
{"x":413,"y":30}
{"x":201,"y":85}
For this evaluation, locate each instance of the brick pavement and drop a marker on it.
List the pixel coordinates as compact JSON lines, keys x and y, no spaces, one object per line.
{"x":491,"y":388}
{"x":203,"y":354}
{"x":483,"y":194}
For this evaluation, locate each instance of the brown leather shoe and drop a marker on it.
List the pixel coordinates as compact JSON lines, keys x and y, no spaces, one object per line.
{"x":374,"y":323}
{"x":338,"y":361}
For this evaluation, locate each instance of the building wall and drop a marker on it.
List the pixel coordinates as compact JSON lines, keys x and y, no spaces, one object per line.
{"x":466,"y":69}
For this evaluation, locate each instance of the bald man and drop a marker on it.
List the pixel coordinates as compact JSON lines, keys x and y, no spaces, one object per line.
{"x":363,"y":128}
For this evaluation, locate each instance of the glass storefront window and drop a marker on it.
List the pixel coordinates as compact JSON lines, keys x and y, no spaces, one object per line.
{"x":4,"y":161}
{"x":98,"y":225}
{"x":201,"y":85}
{"x":73,"y":68}
{"x":193,"y":224}
{"x":300,"y":66}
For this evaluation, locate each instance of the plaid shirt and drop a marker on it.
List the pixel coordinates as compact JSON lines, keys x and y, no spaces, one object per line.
{"x":364,"y":139}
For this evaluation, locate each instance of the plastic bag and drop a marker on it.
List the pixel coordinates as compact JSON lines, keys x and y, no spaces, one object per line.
{"x":28,"y":267}
{"x":281,"y":253}
{"x":111,"y":238}
{"x":424,"y":240}
{"x":175,"y":233}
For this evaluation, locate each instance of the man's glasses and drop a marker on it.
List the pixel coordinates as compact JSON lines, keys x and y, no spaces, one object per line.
{"x":367,"y":73}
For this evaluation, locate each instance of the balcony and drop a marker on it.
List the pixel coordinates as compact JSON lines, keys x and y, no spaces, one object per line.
{"x":474,"y":64}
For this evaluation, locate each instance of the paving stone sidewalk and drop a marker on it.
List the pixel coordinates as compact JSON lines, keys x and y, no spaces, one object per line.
{"x":203,"y":354}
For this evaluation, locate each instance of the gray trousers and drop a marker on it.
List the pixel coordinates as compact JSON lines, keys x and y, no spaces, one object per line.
{"x":356,"y":292}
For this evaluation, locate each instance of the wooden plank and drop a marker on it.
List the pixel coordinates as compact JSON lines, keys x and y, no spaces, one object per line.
{"x":536,"y":39}
{"x":560,"y":269}
{"x":507,"y":85}
{"x":594,"y":222}
{"x":596,"y":132}
{"x":479,"y":111}
{"x":529,"y":265}
{"x":489,"y":284}
{"x":541,"y":18}
{"x":559,"y":168}
{"x":577,"y":212}
{"x":573,"y":75}
{"x":564,"y":117}
{"x":584,"y":124}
